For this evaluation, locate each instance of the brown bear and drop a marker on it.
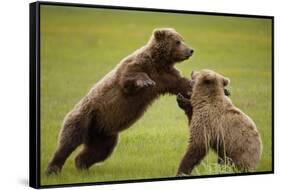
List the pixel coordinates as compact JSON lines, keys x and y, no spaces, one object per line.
{"x":120,"y":98}
{"x":217,"y":124}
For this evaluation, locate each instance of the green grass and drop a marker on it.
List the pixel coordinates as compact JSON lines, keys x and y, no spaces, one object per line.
{"x":80,"y":45}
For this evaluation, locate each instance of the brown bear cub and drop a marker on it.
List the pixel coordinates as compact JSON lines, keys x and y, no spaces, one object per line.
{"x":120,"y":98}
{"x":217,"y":124}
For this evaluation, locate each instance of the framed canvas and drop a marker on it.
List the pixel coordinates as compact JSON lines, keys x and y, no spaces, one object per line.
{"x":123,"y":94}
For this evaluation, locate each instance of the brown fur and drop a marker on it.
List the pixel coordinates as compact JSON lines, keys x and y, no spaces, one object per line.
{"x":120,"y":98}
{"x":217,"y":124}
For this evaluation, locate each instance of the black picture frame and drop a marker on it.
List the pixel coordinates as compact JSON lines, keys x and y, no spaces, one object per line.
{"x":34,"y":91}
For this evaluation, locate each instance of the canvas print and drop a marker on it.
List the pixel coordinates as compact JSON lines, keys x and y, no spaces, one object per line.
{"x":134,"y":94}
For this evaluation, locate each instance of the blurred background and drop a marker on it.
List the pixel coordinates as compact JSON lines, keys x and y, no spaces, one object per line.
{"x":80,"y":45}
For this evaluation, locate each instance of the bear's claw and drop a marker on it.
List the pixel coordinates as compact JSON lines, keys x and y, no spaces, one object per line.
{"x":226,"y":92}
{"x":182,"y":101}
{"x":145,"y":83}
{"x":53,"y":170}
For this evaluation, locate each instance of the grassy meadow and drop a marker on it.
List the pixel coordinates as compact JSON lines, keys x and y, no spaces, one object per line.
{"x":80,"y":45}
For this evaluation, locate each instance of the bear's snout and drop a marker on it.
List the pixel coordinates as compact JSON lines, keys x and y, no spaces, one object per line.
{"x":189,"y":52}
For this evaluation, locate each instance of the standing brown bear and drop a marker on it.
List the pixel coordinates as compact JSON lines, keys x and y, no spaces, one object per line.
{"x":120,"y":98}
{"x":216,"y":123}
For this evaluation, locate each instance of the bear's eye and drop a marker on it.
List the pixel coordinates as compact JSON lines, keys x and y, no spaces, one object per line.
{"x":178,"y":42}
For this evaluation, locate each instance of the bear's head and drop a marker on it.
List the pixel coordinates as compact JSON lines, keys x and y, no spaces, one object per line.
{"x":169,"y":46}
{"x":208,"y":83}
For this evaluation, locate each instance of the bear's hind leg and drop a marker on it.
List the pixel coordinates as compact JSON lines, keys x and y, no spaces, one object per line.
{"x":70,"y":138}
{"x":97,"y":149}
{"x":245,"y":164}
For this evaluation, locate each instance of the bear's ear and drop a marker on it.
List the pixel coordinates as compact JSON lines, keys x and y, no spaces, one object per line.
{"x":159,"y":34}
{"x":193,"y":74}
{"x":226,"y":81}
{"x":209,"y":78}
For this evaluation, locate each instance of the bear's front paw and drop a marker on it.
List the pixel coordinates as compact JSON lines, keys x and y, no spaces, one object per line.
{"x":145,"y":83}
{"x":180,"y":97}
{"x":182,"y":101}
{"x":226,"y":92}
{"x":182,"y":175}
